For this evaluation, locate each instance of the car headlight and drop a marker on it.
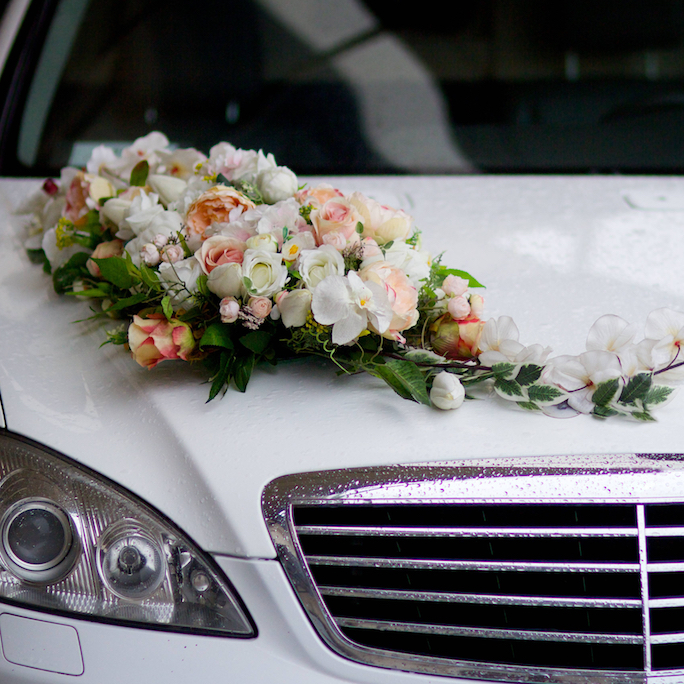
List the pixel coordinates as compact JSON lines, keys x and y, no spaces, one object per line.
{"x":73,"y":542}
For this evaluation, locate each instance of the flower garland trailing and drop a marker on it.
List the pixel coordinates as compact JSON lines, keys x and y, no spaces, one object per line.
{"x":225,"y":260}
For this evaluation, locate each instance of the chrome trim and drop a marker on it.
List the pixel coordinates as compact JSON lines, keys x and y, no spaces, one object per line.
{"x":482,"y":599}
{"x":493,"y":566}
{"x":645,"y":612}
{"x":605,"y":479}
{"x":518,"y":634}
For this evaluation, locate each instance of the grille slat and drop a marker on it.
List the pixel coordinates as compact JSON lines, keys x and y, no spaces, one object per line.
{"x":485,"y":599}
{"x":489,"y":633}
{"x":488,"y":566}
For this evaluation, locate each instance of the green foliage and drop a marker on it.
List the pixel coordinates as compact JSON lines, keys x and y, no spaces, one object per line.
{"x":217,"y":335}
{"x":167,"y":309}
{"x":605,"y":392}
{"x":115,"y":270}
{"x":528,"y":375}
{"x":256,"y":341}
{"x":405,"y":379}
{"x":139,"y":173}
{"x":636,"y":388}
{"x":74,"y":269}
{"x":658,"y":394}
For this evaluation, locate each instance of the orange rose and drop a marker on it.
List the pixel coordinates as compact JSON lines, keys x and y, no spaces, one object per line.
{"x":219,"y":204}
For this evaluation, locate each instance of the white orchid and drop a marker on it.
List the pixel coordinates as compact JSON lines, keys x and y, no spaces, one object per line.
{"x":350,"y":305}
{"x":663,"y":344}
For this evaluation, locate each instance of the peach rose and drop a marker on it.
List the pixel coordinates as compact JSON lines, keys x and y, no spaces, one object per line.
{"x":402,"y":296}
{"x":219,"y":250}
{"x":383,"y":224}
{"x":103,"y":251}
{"x":219,"y":204}
{"x":260,"y":306}
{"x":336,"y":216}
{"x":154,"y":339}
{"x":456,"y":339}
{"x":317,"y":196}
{"x":76,"y":197}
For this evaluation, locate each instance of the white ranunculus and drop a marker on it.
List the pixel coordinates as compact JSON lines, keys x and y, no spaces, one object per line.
{"x":168,"y":188}
{"x":277,"y":184}
{"x":294,"y":307}
{"x":265,"y":270}
{"x":447,"y":391}
{"x":317,"y":264}
{"x":141,"y":212}
{"x":226,"y":280}
{"x":180,"y":281}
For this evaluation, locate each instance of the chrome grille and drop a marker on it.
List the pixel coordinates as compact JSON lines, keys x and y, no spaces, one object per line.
{"x":509,"y":588}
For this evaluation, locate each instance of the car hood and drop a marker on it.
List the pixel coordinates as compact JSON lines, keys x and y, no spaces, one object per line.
{"x":554,"y":252}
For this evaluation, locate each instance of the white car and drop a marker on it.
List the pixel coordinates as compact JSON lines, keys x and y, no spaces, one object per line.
{"x":318,"y":528}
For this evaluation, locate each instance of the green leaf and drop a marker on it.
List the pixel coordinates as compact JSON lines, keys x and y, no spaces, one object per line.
{"x":405,"y":379}
{"x":222,"y":377}
{"x":636,"y":388}
{"x":424,"y":356}
{"x":242,"y":370}
{"x":64,"y":276}
{"x":150,"y":278}
{"x":95,"y":293}
{"x":503,"y":370}
{"x":36,"y":256}
{"x":387,"y":245}
{"x":249,"y":286}
{"x":139,"y":173}
{"x":658,"y":394}
{"x":528,"y":375}
{"x":359,"y":227}
{"x":528,"y":406}
{"x":217,"y":335}
{"x":643,"y":416}
{"x":508,"y":387}
{"x":167,"y":309}
{"x":605,"y":391}
{"x":128,"y":301}
{"x":543,"y":393}
{"x":202,"y":285}
{"x":605,"y":411}
{"x":256,"y":341}
{"x":115,"y":270}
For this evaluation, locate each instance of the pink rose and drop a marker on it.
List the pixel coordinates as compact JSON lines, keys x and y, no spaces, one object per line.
{"x":76,"y":197}
{"x":219,"y":250}
{"x":103,"y":251}
{"x":453,"y":285}
{"x":402,"y":296}
{"x":260,"y":306}
{"x":456,"y":339}
{"x":154,"y":339}
{"x":229,"y":308}
{"x":458,"y":307}
{"x":219,"y":204}
{"x":336,"y":216}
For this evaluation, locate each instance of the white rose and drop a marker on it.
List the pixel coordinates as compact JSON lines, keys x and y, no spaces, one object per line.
{"x":294,"y":307}
{"x":317,"y":264}
{"x":168,"y":188}
{"x":180,"y":281}
{"x":265,"y":242}
{"x":447,"y":391}
{"x":277,"y":184}
{"x":265,"y":270}
{"x":226,"y":280}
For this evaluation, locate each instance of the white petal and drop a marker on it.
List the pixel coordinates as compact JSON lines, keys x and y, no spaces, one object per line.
{"x":663,"y":322}
{"x":349,"y":328}
{"x":610,"y":333}
{"x":331,"y":300}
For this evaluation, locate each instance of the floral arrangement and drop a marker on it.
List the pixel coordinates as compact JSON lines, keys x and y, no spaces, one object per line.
{"x":225,"y":260}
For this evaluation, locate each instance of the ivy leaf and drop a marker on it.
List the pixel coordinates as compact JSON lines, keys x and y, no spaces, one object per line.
{"x":528,"y":406}
{"x":503,"y":370}
{"x":222,"y":377}
{"x":605,"y":411}
{"x":605,"y":391}
{"x":166,"y":307}
{"x":643,"y":416}
{"x":405,"y":379}
{"x":242,"y":370}
{"x":256,"y":341}
{"x":139,"y":173}
{"x":115,"y":270}
{"x":528,"y":375}
{"x":509,"y":388}
{"x":217,"y":335}
{"x":658,"y":394}
{"x":636,"y":388}
{"x":543,"y":393}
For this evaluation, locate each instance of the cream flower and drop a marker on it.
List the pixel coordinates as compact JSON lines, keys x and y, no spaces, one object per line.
{"x":265,"y":270}
{"x":317,"y":264}
{"x":447,"y":391}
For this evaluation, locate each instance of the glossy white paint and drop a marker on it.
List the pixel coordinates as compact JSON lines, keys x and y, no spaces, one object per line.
{"x":554,"y":252}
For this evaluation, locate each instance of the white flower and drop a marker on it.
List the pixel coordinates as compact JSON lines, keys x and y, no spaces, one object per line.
{"x":294,"y":307}
{"x":579,"y":375}
{"x":143,"y":149}
{"x":610,"y":333}
{"x":663,"y":344}
{"x":149,"y":254}
{"x":140,"y":214}
{"x":115,"y":210}
{"x":165,"y":224}
{"x":293,"y":248}
{"x":415,"y":263}
{"x":349,"y":305}
{"x":101,"y":156}
{"x":265,"y":242}
{"x":265,"y":270}
{"x":317,"y":264}
{"x":229,"y":308}
{"x":285,"y":214}
{"x":226,"y":280}
{"x":54,"y":254}
{"x":447,"y":391}
{"x":276,"y":184}
{"x":179,"y":163}
{"x":168,"y":188}
{"x":180,"y":281}
{"x":499,"y":341}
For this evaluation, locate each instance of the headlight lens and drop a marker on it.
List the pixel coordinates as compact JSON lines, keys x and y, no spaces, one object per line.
{"x":71,"y":541}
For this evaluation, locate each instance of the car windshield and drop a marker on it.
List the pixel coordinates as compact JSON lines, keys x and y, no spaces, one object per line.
{"x":354,"y":86}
